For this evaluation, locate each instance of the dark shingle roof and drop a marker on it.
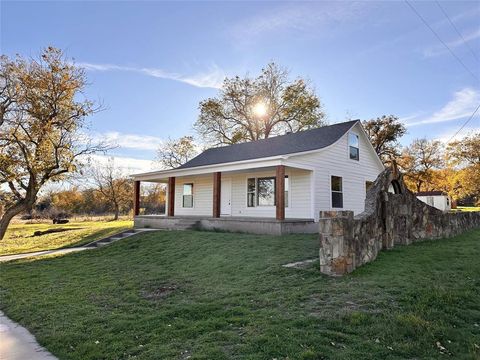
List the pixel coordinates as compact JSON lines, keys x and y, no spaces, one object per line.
{"x":278,"y":145}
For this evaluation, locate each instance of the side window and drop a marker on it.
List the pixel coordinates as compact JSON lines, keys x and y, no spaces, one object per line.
{"x":187,"y":196}
{"x":353,"y":146}
{"x":337,"y":192}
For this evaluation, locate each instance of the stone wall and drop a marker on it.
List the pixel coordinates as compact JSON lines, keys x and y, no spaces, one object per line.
{"x":393,"y":215}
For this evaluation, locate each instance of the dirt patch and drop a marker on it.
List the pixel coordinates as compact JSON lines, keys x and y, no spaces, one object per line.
{"x":344,"y":301}
{"x":159,"y":292}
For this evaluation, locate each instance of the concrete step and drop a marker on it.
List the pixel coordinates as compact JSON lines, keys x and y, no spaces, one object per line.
{"x":113,"y":238}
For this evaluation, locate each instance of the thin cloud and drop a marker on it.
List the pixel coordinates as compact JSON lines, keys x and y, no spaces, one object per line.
{"x":446,"y":135}
{"x":127,"y":165}
{"x":461,"y":106}
{"x":213,"y":78}
{"x":439,"y":49}
{"x":297,"y":17}
{"x":129,"y":141}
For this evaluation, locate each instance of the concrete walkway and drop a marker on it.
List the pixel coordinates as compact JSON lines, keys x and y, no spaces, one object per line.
{"x":40,"y":253}
{"x":16,"y":343}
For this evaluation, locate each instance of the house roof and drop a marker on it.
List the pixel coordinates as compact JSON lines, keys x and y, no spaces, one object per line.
{"x":279,"y":145}
{"x":430,"y":193}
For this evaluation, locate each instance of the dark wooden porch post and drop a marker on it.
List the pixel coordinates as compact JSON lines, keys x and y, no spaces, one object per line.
{"x":280,"y":192}
{"x":136,"y":198}
{"x":217,"y":185}
{"x":171,"y":196}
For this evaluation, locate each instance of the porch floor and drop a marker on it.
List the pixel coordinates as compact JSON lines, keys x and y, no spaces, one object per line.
{"x":246,"y":224}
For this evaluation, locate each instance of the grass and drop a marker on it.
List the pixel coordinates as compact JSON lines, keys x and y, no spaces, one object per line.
{"x":468,"y":208}
{"x":203,"y":295}
{"x":19,"y":237}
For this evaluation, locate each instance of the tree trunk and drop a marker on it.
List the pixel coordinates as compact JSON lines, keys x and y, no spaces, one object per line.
{"x":117,"y":212}
{"x":8,"y":216}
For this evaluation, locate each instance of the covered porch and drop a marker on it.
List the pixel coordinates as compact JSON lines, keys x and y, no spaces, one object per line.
{"x":273,"y":197}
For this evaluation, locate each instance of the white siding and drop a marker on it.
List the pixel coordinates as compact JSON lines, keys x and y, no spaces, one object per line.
{"x":335,"y":160}
{"x":299,"y":201}
{"x":202,"y":195}
{"x":441,"y":202}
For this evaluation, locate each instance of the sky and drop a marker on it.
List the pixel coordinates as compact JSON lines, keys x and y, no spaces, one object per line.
{"x":150,"y":63}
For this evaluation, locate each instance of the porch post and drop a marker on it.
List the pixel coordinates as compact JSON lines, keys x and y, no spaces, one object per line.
{"x":280,"y":192}
{"x":171,"y":196}
{"x":136,"y":198}
{"x":217,"y":185}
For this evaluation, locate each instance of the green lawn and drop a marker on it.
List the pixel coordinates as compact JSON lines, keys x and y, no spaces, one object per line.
{"x":468,"y":208}
{"x":172,"y":295}
{"x":19,"y":237}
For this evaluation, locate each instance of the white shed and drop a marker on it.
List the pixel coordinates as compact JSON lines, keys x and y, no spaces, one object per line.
{"x":437,"y":199}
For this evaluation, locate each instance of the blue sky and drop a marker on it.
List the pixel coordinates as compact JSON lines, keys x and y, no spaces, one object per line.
{"x":151,"y":62}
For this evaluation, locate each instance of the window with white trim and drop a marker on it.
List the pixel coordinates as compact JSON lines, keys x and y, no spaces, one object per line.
{"x":266,"y":191}
{"x":353,"y":148}
{"x":261,"y":191}
{"x":337,"y":191}
{"x":187,"y":198}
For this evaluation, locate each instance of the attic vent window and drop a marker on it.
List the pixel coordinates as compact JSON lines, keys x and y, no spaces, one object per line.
{"x":353,"y":146}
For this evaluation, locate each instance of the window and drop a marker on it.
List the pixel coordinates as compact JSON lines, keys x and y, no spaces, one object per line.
{"x":187,"y":195}
{"x":337,"y":194}
{"x":353,"y":146}
{"x":266,"y":191}
{"x":261,"y":191}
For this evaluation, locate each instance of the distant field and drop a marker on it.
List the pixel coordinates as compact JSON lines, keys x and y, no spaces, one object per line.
{"x":20,"y":239}
{"x":468,"y":208}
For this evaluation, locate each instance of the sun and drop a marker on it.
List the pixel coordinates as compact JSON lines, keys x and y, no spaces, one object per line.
{"x":260,"y":109}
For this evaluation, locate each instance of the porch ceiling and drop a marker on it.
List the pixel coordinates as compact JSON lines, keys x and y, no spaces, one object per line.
{"x":162,"y":176}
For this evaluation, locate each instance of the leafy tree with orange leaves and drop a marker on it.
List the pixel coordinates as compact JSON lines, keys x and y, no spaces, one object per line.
{"x":42,"y":114}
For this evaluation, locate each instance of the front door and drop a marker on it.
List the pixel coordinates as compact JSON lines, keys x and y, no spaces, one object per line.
{"x":226,"y":197}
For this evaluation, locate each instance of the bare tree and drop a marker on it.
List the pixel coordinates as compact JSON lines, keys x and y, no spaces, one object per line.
{"x":42,"y":117}
{"x":113,"y":186}
{"x":174,"y":153}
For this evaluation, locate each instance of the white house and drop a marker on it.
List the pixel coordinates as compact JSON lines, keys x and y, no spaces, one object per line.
{"x":437,"y":199}
{"x":283,"y":178}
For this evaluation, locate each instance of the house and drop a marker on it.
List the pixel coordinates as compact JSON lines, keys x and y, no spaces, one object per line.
{"x":437,"y":199}
{"x":275,"y":185}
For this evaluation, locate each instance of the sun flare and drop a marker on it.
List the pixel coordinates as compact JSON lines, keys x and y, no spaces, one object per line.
{"x":260,"y":109}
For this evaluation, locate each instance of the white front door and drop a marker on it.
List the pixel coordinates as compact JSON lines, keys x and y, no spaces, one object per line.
{"x":226,"y":197}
